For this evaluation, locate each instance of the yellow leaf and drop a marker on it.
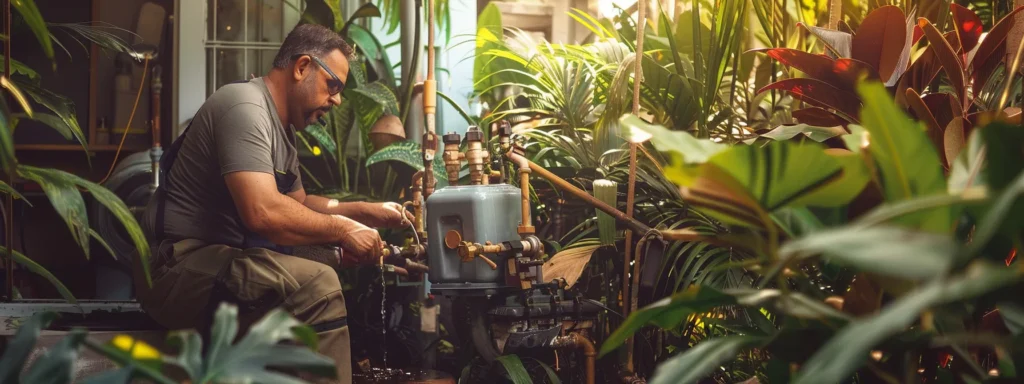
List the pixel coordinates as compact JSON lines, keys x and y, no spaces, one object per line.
{"x":139,"y":349}
{"x":6,"y":83}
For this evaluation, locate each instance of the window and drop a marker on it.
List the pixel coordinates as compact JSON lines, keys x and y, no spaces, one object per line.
{"x":242,"y":37}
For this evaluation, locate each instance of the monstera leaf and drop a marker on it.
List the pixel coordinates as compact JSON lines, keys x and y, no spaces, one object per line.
{"x":248,"y":360}
{"x":408,"y":152}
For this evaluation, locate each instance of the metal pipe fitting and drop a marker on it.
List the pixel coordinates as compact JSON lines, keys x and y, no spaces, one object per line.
{"x":476,"y":156}
{"x":575,"y":340}
{"x":452,"y":157}
{"x":560,"y":183}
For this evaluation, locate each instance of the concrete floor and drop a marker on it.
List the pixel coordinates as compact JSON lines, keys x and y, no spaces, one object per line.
{"x":104,"y":319}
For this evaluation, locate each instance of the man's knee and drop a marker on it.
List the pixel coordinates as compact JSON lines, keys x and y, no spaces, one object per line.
{"x":319,"y":297}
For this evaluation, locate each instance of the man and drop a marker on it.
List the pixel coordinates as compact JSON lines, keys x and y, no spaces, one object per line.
{"x":232,"y":204}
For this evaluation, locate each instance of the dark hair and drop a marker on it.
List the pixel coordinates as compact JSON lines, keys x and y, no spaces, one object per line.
{"x":310,"y":39}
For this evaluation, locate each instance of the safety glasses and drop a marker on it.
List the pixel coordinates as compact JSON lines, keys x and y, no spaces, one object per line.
{"x":334,"y":84}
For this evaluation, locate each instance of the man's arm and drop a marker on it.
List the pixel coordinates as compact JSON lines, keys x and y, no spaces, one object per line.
{"x":285,"y":221}
{"x":367,"y":213}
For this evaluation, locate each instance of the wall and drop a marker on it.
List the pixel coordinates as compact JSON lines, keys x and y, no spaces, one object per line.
{"x":456,"y":56}
{"x":190,"y":79}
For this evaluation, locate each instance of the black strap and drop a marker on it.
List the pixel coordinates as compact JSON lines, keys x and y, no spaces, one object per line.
{"x":330,"y":325}
{"x":166,"y":161}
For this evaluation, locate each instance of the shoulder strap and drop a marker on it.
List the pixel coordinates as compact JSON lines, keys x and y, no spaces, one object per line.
{"x":166,"y":161}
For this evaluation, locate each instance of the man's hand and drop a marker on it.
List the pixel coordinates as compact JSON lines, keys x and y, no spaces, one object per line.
{"x":385,"y":215}
{"x":363,"y":244}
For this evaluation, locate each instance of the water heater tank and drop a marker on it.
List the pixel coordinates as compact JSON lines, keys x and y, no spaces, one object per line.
{"x":480,"y":213}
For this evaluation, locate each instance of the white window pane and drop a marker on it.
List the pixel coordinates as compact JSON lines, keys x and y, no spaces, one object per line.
{"x":265,"y":22}
{"x":228,"y":19}
{"x":260,"y":61}
{"x":226,"y":65}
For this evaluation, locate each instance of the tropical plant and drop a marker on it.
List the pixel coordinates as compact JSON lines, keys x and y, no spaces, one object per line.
{"x":930,"y":260}
{"x":951,"y":105}
{"x":260,"y":356}
{"x":21,"y":84}
{"x":373,"y":95}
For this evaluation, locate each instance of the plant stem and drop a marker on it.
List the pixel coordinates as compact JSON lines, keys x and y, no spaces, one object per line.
{"x":410,"y":78}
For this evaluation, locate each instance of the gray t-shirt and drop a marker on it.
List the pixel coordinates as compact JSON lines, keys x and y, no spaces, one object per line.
{"x":236,"y":129}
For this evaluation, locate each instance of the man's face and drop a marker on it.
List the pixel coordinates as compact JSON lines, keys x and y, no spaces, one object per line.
{"x":322,"y":82}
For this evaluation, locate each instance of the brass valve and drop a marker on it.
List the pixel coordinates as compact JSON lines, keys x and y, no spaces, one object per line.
{"x":477,"y":157}
{"x":452,"y":157}
{"x":468,"y":251}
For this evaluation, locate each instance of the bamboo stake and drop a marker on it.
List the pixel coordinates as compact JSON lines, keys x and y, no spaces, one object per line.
{"x":631,"y":189}
{"x":835,"y":13}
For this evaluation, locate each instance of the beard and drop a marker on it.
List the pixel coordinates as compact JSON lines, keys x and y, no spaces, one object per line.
{"x":310,"y":112}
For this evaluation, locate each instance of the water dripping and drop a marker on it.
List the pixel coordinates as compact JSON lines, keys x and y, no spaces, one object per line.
{"x":383,"y":320}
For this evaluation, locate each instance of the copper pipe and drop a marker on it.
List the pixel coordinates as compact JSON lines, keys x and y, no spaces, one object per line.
{"x":575,"y":340}
{"x":524,"y":186}
{"x":417,"y":204}
{"x":524,"y":183}
{"x":632,"y":223}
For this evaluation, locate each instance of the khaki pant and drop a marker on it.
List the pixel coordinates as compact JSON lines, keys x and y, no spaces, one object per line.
{"x":191,"y":278}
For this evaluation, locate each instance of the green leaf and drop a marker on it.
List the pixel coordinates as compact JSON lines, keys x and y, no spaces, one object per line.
{"x":367,"y":10}
{"x":381,"y":94}
{"x":56,"y":365}
{"x":793,"y":174}
{"x":967,"y":167}
{"x":63,"y":194}
{"x":148,"y":368}
{"x":1012,"y":314}
{"x":307,"y":336}
{"x":462,"y":112}
{"x":516,"y":370}
{"x":30,"y":14}
{"x":409,"y":153}
{"x":19,"y":67}
{"x":1005,"y":159}
{"x":95,"y":235}
{"x":124,"y":216}
{"x":692,"y":150}
{"x":907,"y":160}
{"x":225,"y":328}
{"x":1007,"y":205}
{"x":819,"y":134}
{"x":7,"y":159}
{"x":850,"y":348}
{"x":322,"y":137}
{"x":123,"y":375}
{"x":701,"y":360}
{"x":488,"y":36}
{"x":34,"y":267}
{"x":62,"y":190}
{"x":884,"y":250}
{"x":248,"y":360}
{"x":62,"y":106}
{"x":190,"y":347}
{"x":51,"y":120}
{"x":324,"y":12}
{"x":18,"y":348}
{"x":668,"y":312}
